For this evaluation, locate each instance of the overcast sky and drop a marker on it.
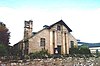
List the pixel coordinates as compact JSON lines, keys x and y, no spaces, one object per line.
{"x":82,"y":16}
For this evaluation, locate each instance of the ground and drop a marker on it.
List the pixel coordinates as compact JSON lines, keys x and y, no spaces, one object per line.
{"x":68,"y":61}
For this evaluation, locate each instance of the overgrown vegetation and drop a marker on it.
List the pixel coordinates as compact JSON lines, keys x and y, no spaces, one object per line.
{"x":3,"y":50}
{"x":83,"y":50}
{"x":4,"y":34}
{"x":4,"y":40}
{"x":39,"y":54}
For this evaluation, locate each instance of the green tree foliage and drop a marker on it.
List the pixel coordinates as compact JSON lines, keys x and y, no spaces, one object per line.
{"x":4,"y":40}
{"x":3,"y":50}
{"x":84,"y":49}
{"x":4,"y":34}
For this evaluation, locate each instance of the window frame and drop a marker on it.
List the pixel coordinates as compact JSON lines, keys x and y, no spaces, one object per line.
{"x":42,"y":42}
{"x":72,"y":44}
{"x":58,"y":27}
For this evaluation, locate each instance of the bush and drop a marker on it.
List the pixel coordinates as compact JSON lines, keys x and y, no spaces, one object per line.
{"x":73,"y":51}
{"x":39,"y":54}
{"x":83,"y":50}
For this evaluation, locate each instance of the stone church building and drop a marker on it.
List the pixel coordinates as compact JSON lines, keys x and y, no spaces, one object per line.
{"x":55,"y":38}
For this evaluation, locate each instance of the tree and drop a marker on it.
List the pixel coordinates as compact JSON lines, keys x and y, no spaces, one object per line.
{"x":3,"y":50}
{"x":84,"y":49}
{"x":4,"y":34}
{"x":4,"y":40}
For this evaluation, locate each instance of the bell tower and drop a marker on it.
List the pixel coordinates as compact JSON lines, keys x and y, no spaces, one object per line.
{"x":28,"y":29}
{"x":27,"y":34}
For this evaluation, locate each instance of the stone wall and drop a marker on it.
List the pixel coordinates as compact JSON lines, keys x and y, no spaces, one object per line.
{"x":68,"y":61}
{"x":34,"y":42}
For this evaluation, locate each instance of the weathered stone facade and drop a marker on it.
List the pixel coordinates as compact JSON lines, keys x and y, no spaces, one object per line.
{"x":55,"y":38}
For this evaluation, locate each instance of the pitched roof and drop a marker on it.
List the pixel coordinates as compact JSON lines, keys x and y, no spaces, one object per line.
{"x":61,"y":22}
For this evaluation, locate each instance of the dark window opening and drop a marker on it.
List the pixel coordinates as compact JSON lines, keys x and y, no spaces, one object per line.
{"x":59,"y":49}
{"x":42,"y":42}
{"x":72,"y":44}
{"x":58,"y":27}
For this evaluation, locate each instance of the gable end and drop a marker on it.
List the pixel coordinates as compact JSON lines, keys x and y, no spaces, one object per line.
{"x":61,"y":22}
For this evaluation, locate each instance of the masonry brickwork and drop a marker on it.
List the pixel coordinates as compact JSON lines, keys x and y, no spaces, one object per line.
{"x":54,"y":38}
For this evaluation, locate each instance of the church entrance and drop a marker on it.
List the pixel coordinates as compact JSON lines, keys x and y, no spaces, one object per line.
{"x":57,"y":50}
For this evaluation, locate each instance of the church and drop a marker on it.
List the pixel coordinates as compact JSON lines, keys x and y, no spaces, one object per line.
{"x":56,"y":38}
